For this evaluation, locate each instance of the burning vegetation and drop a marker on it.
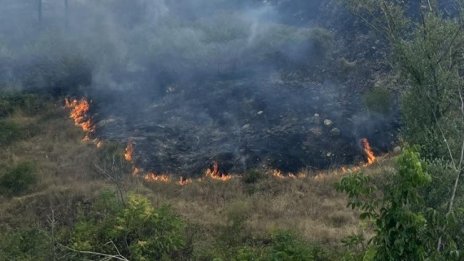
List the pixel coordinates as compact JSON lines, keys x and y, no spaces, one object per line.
{"x":215,"y":173}
{"x":79,"y":110}
{"x":368,"y":153}
{"x":79,"y":113}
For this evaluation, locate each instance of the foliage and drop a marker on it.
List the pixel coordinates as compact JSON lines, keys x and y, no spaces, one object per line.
{"x":398,"y":221}
{"x":378,"y":100}
{"x":9,"y":132}
{"x":286,"y":246}
{"x":25,"y":244}
{"x":28,"y":103}
{"x":18,"y":179}
{"x":138,"y":230}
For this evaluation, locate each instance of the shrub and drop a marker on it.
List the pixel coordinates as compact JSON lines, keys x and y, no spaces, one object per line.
{"x":378,"y":100}
{"x":398,"y":218}
{"x":9,"y":132}
{"x":286,"y":246}
{"x":25,"y":244}
{"x":138,"y":230}
{"x":252,"y":176}
{"x":18,"y":179}
{"x":6,"y":108}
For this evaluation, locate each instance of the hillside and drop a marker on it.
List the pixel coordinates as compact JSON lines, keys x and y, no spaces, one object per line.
{"x":68,"y":181}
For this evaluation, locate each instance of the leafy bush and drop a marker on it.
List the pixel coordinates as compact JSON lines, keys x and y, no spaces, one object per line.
{"x":137,"y":230}
{"x":28,"y":103}
{"x":252,"y":176}
{"x":398,"y":220}
{"x":27,"y":244}
{"x":378,"y":100}
{"x":285,"y":246}
{"x":9,"y":132}
{"x":6,"y":108}
{"x":18,"y":179}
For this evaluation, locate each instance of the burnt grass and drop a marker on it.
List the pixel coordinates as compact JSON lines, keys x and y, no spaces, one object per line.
{"x":266,"y":123}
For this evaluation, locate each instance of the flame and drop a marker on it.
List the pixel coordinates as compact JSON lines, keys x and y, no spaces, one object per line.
{"x":215,"y":174}
{"x":129,"y":151}
{"x":368,"y":153}
{"x":184,"y":181}
{"x":278,"y":174}
{"x":136,"y":171}
{"x":153,"y":177}
{"x":99,"y":143}
{"x":79,"y":114}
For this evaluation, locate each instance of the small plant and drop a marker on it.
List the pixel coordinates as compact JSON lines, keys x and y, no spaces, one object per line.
{"x":252,"y":177}
{"x":378,"y":100}
{"x":18,"y":179}
{"x":25,"y":244}
{"x":399,"y":224}
{"x":286,"y":246}
{"x":138,"y":231}
{"x":9,"y":132}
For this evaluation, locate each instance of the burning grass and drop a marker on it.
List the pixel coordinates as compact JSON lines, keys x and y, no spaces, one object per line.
{"x":67,"y":181}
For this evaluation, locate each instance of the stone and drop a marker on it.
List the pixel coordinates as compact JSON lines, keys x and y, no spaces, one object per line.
{"x":328,"y":122}
{"x":397,"y":149}
{"x":335,"y":132}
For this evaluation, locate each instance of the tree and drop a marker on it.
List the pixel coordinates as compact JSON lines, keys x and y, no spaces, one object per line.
{"x":427,"y":47}
{"x":397,"y":218}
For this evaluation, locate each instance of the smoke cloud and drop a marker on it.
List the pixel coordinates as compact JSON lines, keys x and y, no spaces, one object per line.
{"x":241,"y":82}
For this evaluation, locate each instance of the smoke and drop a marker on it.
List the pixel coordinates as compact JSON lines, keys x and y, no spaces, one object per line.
{"x":243,"y":82}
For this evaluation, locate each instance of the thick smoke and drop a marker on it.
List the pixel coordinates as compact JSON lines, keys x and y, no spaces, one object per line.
{"x":242,"y":82}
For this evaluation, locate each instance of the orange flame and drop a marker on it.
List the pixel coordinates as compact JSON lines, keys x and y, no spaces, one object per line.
{"x":129,"y":151}
{"x":136,"y":171}
{"x":153,"y":177}
{"x":184,"y":181}
{"x":368,"y":153}
{"x":215,"y":174}
{"x":79,"y":113}
{"x":278,"y":174}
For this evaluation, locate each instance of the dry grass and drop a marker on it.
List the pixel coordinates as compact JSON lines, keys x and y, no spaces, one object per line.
{"x":67,"y":179}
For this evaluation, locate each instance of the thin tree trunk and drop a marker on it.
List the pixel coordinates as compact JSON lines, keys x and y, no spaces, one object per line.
{"x":39,"y":11}
{"x":66,"y":13}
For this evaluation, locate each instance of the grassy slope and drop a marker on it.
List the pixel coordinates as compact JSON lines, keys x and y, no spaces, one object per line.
{"x":68,"y":182}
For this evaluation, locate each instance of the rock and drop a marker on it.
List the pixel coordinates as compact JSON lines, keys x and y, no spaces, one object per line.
{"x":328,"y":122}
{"x":316,"y":131}
{"x":335,"y":132}
{"x":316,"y":119}
{"x":260,"y":112}
{"x":397,"y":149}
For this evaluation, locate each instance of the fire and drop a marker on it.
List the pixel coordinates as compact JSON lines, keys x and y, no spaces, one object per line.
{"x":136,"y":171}
{"x":278,"y":174}
{"x":215,"y":174}
{"x":153,"y":177}
{"x":79,"y":114}
{"x":184,"y":181}
{"x":368,"y":153}
{"x":129,"y":151}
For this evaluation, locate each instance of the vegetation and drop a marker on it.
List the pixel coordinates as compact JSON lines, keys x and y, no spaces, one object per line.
{"x":61,"y":199}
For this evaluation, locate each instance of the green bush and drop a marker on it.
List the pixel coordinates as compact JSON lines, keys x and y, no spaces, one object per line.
{"x":286,"y":246}
{"x":27,"y":244}
{"x":378,"y":100}
{"x":137,"y":230}
{"x":28,"y":103}
{"x":18,"y":179}
{"x":398,"y":218}
{"x":252,"y":177}
{"x":6,"y":108}
{"x":9,"y":132}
